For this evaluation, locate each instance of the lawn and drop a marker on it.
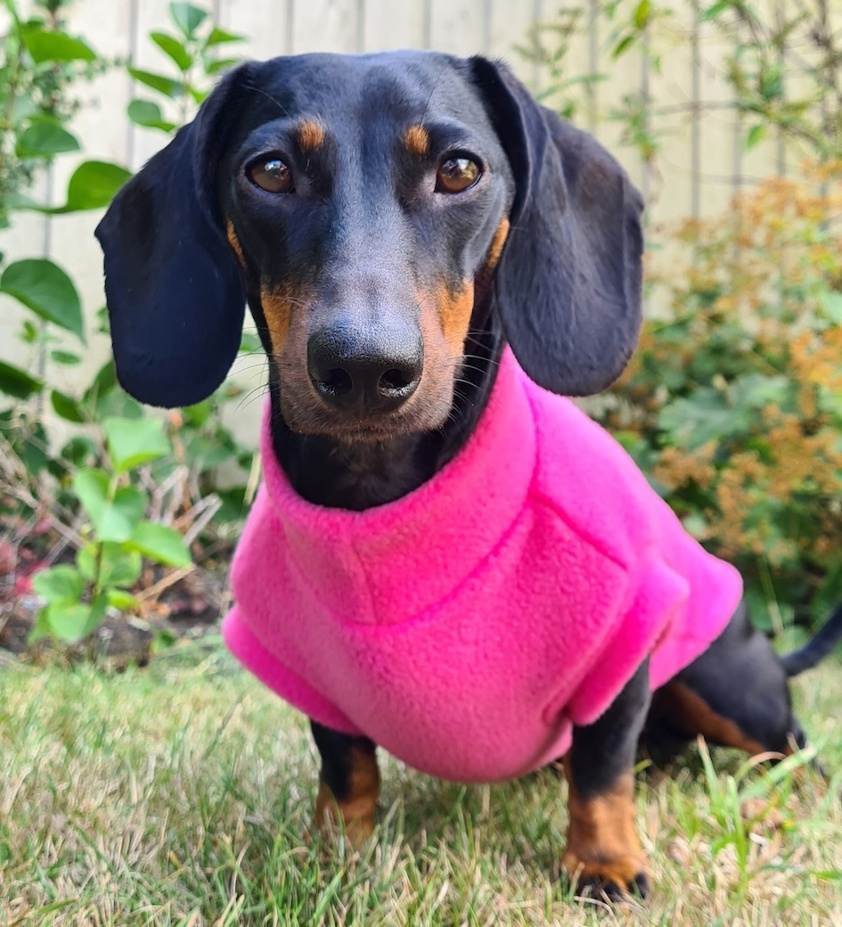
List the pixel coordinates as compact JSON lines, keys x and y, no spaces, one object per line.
{"x":181,"y":795}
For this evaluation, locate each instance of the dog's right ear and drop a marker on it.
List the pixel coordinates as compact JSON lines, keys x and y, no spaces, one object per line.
{"x":175,"y":293}
{"x":568,"y":283}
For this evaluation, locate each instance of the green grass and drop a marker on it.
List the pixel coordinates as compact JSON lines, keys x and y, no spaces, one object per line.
{"x":181,"y":795}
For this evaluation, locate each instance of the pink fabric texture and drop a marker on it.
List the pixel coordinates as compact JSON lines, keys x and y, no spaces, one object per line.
{"x":466,"y":627}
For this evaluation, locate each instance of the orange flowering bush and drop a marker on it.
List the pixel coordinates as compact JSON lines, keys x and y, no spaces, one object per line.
{"x":733,"y":403}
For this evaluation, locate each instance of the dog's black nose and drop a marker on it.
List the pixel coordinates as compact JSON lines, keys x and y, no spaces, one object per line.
{"x":373,"y":371}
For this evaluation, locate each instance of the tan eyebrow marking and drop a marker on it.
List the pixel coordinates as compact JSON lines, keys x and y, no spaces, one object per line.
{"x":417,"y":141}
{"x":311,"y":135}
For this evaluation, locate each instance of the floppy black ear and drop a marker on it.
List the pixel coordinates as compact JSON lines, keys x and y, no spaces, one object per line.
{"x":568,"y":283}
{"x":175,"y":295}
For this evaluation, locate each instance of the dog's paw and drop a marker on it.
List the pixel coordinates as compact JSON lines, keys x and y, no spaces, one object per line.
{"x":617,"y":879}
{"x":354,"y":819}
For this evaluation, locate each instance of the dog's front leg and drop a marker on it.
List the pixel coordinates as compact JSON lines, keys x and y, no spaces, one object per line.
{"x":603,"y":850}
{"x":349,"y":783}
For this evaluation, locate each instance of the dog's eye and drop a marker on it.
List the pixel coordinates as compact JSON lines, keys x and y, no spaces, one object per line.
{"x":456,"y":173}
{"x":270,"y":174}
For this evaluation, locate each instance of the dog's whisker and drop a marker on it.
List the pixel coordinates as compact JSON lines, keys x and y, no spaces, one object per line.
{"x":253,"y":394}
{"x":255,"y":89}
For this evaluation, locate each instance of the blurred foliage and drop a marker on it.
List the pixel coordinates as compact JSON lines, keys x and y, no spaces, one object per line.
{"x":784,"y":68}
{"x":40,"y":63}
{"x":733,"y":402}
{"x":192,"y":49}
{"x":81,"y":507}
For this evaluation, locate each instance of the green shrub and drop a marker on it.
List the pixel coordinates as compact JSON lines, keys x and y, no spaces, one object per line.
{"x":733,"y":403}
{"x":126,"y":485}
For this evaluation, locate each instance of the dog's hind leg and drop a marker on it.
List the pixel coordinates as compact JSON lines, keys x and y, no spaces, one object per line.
{"x":734,"y":695}
{"x":603,"y":850}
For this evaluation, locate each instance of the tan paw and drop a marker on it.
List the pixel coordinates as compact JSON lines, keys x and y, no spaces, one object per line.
{"x":354,"y":819}
{"x":616,"y":878}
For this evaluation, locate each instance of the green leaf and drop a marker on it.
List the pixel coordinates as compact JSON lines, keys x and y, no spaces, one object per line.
{"x":115,"y":519}
{"x":198,"y":95}
{"x":166,"y":85}
{"x":756,"y":134}
{"x":771,"y":82}
{"x":118,"y":565}
{"x":93,"y":185}
{"x":717,"y":9}
{"x":86,"y":561}
{"x":66,"y":621}
{"x":832,"y":304}
{"x":119,"y":598}
{"x":117,"y":404}
{"x":148,"y":114}
{"x":67,"y":407}
{"x":133,"y":442}
{"x":59,"y":584}
{"x":72,"y":623}
{"x":187,"y":17}
{"x":642,"y":14}
{"x":755,"y":391}
{"x":91,"y":487}
{"x":222,"y":64}
{"x":623,"y":46}
{"x":79,"y":450}
{"x":198,"y":414}
{"x":126,"y":512}
{"x":160,"y":543}
{"x":692,"y":421}
{"x":249,"y":343}
{"x":18,"y":383}
{"x":65,"y":357}
{"x":174,"y":49}
{"x":47,"y":45}
{"x":45,"y":288}
{"x":219,"y":36}
{"x":45,"y":138}
{"x":104,"y":382}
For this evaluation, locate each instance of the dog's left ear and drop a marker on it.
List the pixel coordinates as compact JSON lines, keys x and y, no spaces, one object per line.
{"x":568,"y":283}
{"x":175,"y":293}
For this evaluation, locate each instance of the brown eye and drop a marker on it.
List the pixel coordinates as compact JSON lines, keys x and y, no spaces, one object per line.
{"x":270,"y":174}
{"x":456,"y":174}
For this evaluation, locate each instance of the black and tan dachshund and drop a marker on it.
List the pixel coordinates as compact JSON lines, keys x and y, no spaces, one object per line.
{"x":393,"y":221}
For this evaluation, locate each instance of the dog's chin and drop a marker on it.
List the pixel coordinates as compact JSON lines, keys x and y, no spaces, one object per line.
{"x":361,"y":428}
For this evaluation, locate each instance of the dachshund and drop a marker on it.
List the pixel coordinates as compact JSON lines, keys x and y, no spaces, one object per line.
{"x":434,"y":261}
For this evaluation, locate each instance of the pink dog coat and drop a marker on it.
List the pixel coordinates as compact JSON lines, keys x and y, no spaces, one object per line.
{"x":469,"y":625}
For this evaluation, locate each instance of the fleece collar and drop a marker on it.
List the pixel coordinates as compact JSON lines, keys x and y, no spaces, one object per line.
{"x":368,"y":556}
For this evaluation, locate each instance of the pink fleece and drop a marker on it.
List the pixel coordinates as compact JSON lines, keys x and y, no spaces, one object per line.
{"x":469,"y":625}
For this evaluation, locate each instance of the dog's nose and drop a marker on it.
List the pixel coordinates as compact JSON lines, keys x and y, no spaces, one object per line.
{"x":365,"y":371}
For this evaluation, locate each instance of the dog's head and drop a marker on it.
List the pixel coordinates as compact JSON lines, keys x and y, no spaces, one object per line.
{"x":371,"y":209}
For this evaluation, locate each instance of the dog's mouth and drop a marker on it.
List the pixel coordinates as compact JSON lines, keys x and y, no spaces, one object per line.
{"x":314,"y":418}
{"x":312,"y":408}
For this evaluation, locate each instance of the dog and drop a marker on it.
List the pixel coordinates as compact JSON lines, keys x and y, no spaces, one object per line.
{"x":433,"y":260}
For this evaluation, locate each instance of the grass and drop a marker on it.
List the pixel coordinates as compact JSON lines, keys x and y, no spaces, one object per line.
{"x":181,"y":795}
